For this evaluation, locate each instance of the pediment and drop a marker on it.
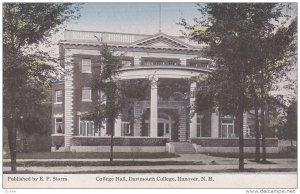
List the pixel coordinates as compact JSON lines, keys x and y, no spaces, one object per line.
{"x":161,"y":41}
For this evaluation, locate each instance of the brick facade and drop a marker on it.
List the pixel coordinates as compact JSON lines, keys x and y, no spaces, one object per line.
{"x":57,"y":108}
{"x":83,"y":80}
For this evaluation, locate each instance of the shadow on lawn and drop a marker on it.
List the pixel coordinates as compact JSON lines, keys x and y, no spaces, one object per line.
{"x":263,"y":162}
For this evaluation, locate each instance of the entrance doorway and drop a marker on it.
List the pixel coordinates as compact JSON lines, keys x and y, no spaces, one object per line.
{"x":167,"y":124}
{"x":163,"y":129}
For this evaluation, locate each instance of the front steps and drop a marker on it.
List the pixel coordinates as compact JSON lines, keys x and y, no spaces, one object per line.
{"x":183,"y":148}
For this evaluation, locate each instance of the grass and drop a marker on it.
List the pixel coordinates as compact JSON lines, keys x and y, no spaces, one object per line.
{"x":101,"y":163}
{"x":252,"y":155}
{"x":92,"y":155}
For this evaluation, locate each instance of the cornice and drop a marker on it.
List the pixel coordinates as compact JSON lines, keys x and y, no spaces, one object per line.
{"x":131,"y":47}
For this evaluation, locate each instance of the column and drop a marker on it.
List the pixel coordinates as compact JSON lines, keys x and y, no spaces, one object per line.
{"x":214,"y":125}
{"x":153,"y":108}
{"x":118,"y":126}
{"x":193,"y":114}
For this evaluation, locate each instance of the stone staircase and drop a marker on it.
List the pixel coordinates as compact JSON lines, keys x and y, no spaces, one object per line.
{"x":183,"y":147}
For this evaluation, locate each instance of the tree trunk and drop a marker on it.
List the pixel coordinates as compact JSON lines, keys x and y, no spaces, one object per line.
{"x":263,"y":141}
{"x":256,"y":127}
{"x":112,"y":140}
{"x":12,"y":144}
{"x":240,"y":115}
{"x":256,"y":117}
{"x":241,"y":141}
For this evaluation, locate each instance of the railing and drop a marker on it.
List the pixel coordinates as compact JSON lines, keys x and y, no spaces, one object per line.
{"x":78,"y":35}
{"x":113,"y":37}
{"x":104,"y":36}
{"x":190,"y":42}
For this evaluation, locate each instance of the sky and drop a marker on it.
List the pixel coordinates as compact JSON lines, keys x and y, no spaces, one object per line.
{"x":139,"y":18}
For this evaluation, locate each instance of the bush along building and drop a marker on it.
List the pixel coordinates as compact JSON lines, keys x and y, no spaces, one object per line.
{"x":161,"y":118}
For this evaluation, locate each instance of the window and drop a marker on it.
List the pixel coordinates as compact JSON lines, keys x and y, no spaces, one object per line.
{"x":172,"y":63}
{"x":125,"y":128}
{"x":193,"y":64}
{"x":202,"y":65}
{"x":199,"y":127}
{"x":160,"y":63}
{"x":86,"y":65}
{"x":59,"y":125}
{"x":126,"y":63}
{"x":59,"y":96}
{"x":227,"y":128}
{"x":148,"y":63}
{"x":86,"y":94}
{"x":86,"y":128}
{"x":167,"y":128}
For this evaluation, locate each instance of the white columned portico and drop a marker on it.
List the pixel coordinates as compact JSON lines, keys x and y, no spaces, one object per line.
{"x":193,"y":122}
{"x":153,"y":108}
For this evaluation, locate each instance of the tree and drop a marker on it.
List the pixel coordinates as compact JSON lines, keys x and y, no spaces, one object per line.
{"x":236,"y":34}
{"x":274,"y":47}
{"x":107,"y":94}
{"x":277,"y":48}
{"x":25,"y":25}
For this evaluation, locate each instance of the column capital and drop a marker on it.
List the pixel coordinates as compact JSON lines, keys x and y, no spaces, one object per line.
{"x":153,"y":80}
{"x":193,"y":85}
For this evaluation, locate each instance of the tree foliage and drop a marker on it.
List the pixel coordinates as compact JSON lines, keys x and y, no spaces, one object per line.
{"x":249,"y":45}
{"x":25,"y":74}
{"x":107,"y":93}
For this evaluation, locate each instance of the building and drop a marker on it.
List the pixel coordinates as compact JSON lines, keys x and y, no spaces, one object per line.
{"x":163,"y":120}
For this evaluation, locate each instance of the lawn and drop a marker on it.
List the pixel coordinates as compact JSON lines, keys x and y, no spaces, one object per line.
{"x":91,"y":155}
{"x":101,"y":163}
